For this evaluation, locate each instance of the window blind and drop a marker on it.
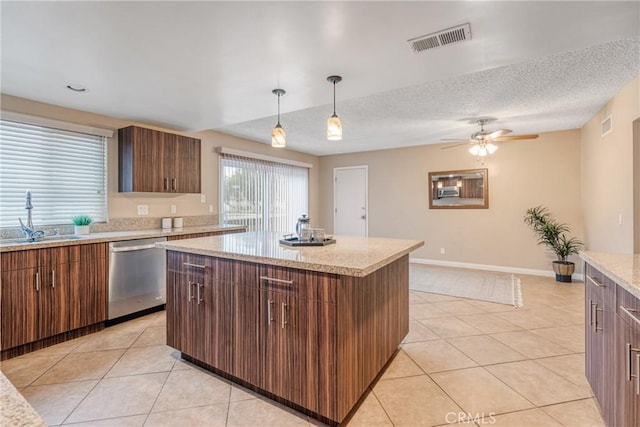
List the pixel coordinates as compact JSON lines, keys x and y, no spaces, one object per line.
{"x":262,"y":195}
{"x":65,"y":171}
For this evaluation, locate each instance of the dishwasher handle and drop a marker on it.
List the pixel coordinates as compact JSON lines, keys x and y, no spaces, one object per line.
{"x":133,"y":248}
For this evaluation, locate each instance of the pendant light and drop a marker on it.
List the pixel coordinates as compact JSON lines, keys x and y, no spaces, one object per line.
{"x":278,"y":136}
{"x":334,"y":124}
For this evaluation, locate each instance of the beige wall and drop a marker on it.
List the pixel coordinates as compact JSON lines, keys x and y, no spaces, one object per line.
{"x":522,"y":174}
{"x":123,"y":205}
{"x":607,"y":174}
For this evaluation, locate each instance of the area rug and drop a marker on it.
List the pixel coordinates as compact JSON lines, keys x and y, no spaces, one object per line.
{"x":501,"y":288}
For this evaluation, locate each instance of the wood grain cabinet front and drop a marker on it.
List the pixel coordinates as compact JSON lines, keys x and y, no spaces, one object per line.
{"x":627,"y":358}
{"x":199,"y":310}
{"x":600,"y":295}
{"x":155,"y":161}
{"x":35,"y":296}
{"x":89,"y":271}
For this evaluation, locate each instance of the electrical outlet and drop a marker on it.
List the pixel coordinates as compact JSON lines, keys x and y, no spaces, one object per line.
{"x":203,"y":198}
{"x":443,"y":251}
{"x":173,"y":209}
{"x":143,"y":209}
{"x":619,"y":219}
{"x":210,"y":208}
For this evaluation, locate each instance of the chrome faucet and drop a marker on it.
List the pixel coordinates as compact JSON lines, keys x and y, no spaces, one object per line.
{"x":29,"y":230}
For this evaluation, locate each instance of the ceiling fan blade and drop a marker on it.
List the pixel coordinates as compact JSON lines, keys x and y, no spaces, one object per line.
{"x":498,"y":133}
{"x":515,"y":137}
{"x":454,"y":139}
{"x":454,"y":145}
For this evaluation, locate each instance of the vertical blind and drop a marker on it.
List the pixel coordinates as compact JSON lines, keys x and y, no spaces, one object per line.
{"x":65,"y":171}
{"x":262,"y":195}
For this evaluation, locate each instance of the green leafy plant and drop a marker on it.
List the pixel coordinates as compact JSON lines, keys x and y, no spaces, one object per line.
{"x":82,"y":220}
{"x":551,"y":233}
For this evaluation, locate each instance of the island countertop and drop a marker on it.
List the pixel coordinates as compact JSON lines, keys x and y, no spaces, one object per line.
{"x":624,"y":269}
{"x":350,"y":256}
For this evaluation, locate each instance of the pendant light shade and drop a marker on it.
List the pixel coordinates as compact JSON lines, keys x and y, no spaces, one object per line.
{"x":278,"y":135}
{"x":334,"y":124}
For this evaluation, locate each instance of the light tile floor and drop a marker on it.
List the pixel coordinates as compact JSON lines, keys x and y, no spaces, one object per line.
{"x":462,"y":360}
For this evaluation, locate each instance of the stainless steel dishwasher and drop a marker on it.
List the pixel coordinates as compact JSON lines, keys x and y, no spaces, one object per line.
{"x":137,"y":276}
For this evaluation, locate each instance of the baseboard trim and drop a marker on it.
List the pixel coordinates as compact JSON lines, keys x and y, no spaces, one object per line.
{"x":488,"y":267}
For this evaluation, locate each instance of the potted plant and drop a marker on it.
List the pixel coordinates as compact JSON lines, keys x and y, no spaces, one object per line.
{"x":81,"y":224}
{"x":552,"y":234}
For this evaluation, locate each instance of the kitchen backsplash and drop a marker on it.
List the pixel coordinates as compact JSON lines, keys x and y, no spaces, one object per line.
{"x":114,"y":224}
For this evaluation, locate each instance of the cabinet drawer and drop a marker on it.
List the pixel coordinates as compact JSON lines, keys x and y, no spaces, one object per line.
{"x":18,"y":260}
{"x":299,"y":283}
{"x":628,"y":309}
{"x":197,"y":265}
{"x":600,"y":286}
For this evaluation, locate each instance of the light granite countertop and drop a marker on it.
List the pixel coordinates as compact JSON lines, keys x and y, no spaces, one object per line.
{"x":15,"y":411}
{"x":624,"y":269}
{"x":350,"y":256}
{"x":68,"y":240}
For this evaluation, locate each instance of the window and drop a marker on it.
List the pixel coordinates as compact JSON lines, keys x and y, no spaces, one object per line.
{"x":262,"y":195}
{"x":64,"y":169}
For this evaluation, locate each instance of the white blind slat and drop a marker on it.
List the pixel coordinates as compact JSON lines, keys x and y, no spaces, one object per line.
{"x":65,"y":171}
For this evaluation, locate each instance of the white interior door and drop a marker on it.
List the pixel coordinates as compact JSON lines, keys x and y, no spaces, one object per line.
{"x":350,"y":214}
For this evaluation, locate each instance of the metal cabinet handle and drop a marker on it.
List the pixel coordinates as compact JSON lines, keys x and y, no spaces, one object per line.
{"x":283,"y":321}
{"x":189,"y":291}
{"x":200,"y":299}
{"x":271,"y":279}
{"x":595,"y":282}
{"x":174,"y":184}
{"x":166,"y":183}
{"x":591,"y":315}
{"x":269,"y":316}
{"x":595,"y":319}
{"x":188,"y":264}
{"x":627,"y":361}
{"x":37,"y":282}
{"x":53,"y":279}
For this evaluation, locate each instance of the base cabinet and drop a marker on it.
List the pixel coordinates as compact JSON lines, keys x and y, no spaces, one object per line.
{"x":314,"y":340}
{"x":612,"y":345}
{"x":35,"y":299}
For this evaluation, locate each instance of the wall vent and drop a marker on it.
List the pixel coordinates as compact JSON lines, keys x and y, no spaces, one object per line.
{"x":449,"y":36}
{"x":605,"y":126}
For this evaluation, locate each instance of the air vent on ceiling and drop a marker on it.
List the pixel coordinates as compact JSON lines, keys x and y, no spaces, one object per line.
{"x":605,"y":126}
{"x":451,"y":35}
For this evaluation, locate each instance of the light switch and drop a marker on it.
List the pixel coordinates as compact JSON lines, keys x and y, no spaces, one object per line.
{"x":203,"y":198}
{"x":143,"y":209}
{"x":173,"y":209}
{"x":210,"y":208}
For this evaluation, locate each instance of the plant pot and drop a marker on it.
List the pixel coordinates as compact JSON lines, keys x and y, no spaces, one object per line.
{"x":563,"y":270}
{"x":80,"y":230}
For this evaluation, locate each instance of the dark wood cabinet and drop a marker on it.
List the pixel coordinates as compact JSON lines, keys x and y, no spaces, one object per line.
{"x":200,"y":308}
{"x":35,"y":297}
{"x":89,"y":271}
{"x":627,"y":354}
{"x":612,"y":346}
{"x":600,"y":295}
{"x":155,"y":161}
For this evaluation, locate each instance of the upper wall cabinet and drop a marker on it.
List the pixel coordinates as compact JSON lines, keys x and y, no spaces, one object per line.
{"x":159,"y":162}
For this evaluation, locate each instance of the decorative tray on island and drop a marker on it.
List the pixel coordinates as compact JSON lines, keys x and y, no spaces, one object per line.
{"x":294,"y":241}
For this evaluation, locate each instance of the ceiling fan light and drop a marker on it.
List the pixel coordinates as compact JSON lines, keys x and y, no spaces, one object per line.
{"x":334,"y":128}
{"x":278,"y":137}
{"x":491,"y":148}
{"x":475,"y":149}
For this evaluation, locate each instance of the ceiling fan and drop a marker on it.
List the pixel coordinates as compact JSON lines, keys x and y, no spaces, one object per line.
{"x":482,"y":142}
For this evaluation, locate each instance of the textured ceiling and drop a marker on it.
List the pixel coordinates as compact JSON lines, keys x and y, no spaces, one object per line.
{"x":533,"y":66}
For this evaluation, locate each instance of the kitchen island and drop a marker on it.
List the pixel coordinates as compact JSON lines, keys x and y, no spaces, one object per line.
{"x":310,"y":327}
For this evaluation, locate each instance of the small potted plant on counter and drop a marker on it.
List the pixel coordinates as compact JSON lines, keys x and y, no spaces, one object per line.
{"x":81,"y":224}
{"x":552,"y":234}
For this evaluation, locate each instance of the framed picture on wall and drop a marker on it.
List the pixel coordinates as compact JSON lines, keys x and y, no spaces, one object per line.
{"x":462,"y":189}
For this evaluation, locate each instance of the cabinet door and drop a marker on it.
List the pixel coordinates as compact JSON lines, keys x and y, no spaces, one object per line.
{"x":19,"y":305}
{"x":245,"y":364}
{"x":628,"y":375}
{"x":141,"y":155}
{"x":53,"y":300}
{"x":186,"y":172}
{"x":289,"y":347}
{"x":89,"y":277}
